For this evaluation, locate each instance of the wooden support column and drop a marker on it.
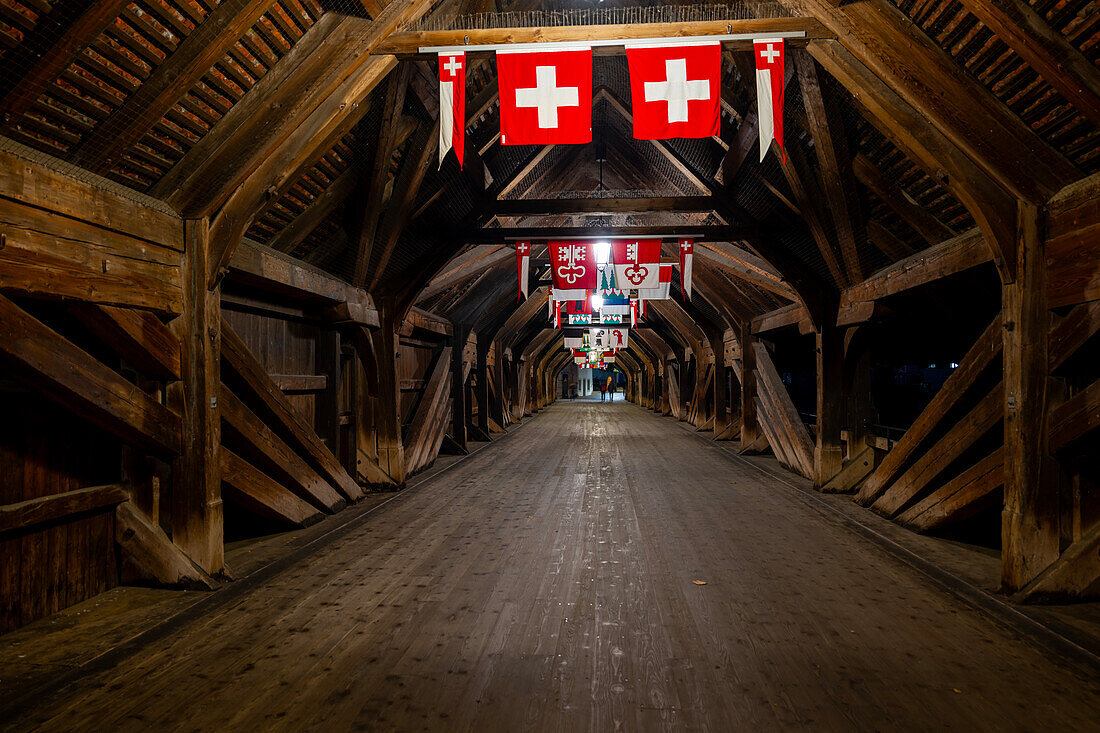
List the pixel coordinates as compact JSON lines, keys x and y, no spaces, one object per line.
{"x":750,"y":426}
{"x":391,"y":453}
{"x":686,"y":389}
{"x":828,"y":449}
{"x":460,"y":333}
{"x":197,"y":524}
{"x":327,"y":405}
{"x":1029,"y":523}
{"x":718,"y":346}
{"x":483,"y":408}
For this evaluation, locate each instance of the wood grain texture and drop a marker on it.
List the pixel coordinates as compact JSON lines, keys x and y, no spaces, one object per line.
{"x":553,"y":591}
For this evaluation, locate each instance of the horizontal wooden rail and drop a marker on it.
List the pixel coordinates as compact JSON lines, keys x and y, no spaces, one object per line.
{"x":58,"y":506}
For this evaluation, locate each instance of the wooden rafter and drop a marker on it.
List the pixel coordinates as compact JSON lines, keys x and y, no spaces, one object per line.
{"x":916,"y":216}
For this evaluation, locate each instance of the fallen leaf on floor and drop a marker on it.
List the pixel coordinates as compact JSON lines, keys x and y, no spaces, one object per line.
{"x":956,"y":690}
{"x":699,"y":582}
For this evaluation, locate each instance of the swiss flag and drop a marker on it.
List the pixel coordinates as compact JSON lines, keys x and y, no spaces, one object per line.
{"x":769,"y":54}
{"x":637,"y":263}
{"x":675,"y":89}
{"x":452,"y":104}
{"x":687,"y":253}
{"x":545,"y":97}
{"x":574,"y":265}
{"x":523,"y":266}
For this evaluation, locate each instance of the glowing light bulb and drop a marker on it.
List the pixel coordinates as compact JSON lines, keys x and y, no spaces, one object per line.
{"x":603,"y":252}
{"x":597,"y":301}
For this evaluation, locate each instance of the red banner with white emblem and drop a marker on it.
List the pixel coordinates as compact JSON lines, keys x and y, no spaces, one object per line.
{"x":637,"y":263}
{"x":574,"y":265}
{"x":452,"y":104}
{"x":770,"y":91}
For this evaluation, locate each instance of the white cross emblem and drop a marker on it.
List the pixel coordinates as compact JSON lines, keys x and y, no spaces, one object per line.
{"x":677,"y":91}
{"x":522,"y":248}
{"x":453,"y":65}
{"x":769,"y":53}
{"x":686,"y":246}
{"x":547,"y":96}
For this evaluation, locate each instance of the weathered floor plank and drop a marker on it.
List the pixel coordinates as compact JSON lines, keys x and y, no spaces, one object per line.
{"x":547,"y":584}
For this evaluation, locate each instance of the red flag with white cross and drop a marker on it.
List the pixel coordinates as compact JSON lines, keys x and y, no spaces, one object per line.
{"x":523,"y":265}
{"x":770,"y":90}
{"x":675,"y":89}
{"x":574,"y":265}
{"x":452,"y":105}
{"x":545,"y":96}
{"x":687,"y":249}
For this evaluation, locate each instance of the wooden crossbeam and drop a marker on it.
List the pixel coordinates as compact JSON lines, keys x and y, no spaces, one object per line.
{"x":935,"y":150}
{"x":701,"y":233}
{"x":1072,"y":332}
{"x":137,"y":336}
{"x":153,"y":553}
{"x":810,"y":204}
{"x":429,"y":420}
{"x":410,"y":42}
{"x":261,"y":439}
{"x":789,"y":315}
{"x":834,"y":167}
{"x":294,"y":233}
{"x":50,"y":363}
{"x":987,"y":348}
{"x":1075,"y":417}
{"x":954,"y":442}
{"x":260,"y":493}
{"x":916,"y":216}
{"x":960,"y":497}
{"x":1072,"y":575}
{"x":789,"y":421}
{"x":470,"y":263}
{"x":947,"y":258}
{"x":55,"y":507}
{"x":236,"y":354}
{"x":535,"y":207}
{"x":183,"y":68}
{"x":747,"y":266}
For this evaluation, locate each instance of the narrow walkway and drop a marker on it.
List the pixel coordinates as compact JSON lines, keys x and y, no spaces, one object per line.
{"x":550,"y":582}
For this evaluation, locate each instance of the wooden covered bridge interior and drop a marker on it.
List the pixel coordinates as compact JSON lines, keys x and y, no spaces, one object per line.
{"x":266,"y":384}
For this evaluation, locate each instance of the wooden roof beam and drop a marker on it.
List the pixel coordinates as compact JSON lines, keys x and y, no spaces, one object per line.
{"x":919,"y":218}
{"x":183,"y":68}
{"x":593,"y":205}
{"x":834,"y":163}
{"x":465,"y":266}
{"x":944,"y":95}
{"x":32,"y":72}
{"x":409,"y":43}
{"x":993,"y":207}
{"x":1044,"y":49}
{"x":802,"y":183}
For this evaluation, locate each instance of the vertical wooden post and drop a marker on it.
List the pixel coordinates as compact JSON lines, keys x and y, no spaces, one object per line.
{"x":197,"y":521}
{"x":326,"y":409}
{"x":459,"y":333}
{"x":1029,"y":522}
{"x":685,"y":390}
{"x":391,"y":451}
{"x":718,"y":346}
{"x":829,"y":450}
{"x":750,"y":426}
{"x":498,"y":384}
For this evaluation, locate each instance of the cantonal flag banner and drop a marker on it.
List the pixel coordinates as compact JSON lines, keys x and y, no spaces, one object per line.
{"x":574,"y":265}
{"x":545,"y":96}
{"x":574,"y":342}
{"x":618,"y":338}
{"x":675,"y":89}
{"x":637,"y":262}
{"x":661,"y":292}
{"x":769,"y":54}
{"x":577,"y":307}
{"x":572,"y":294}
{"x":452,"y":104}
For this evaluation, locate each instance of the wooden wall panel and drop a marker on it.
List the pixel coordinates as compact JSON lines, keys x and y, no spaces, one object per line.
{"x":44,"y":450}
{"x":283,"y":345}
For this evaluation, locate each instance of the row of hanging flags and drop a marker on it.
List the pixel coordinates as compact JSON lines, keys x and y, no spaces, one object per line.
{"x":546,"y":95}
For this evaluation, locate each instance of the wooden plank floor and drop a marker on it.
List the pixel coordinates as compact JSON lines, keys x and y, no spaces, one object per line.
{"x":547,"y":584}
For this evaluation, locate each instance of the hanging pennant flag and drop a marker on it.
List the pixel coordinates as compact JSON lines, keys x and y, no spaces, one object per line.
{"x":637,"y":262}
{"x":452,"y":105}
{"x":618,"y":338}
{"x":675,"y":89}
{"x":687,"y":247}
{"x":769,"y":54}
{"x":634,"y":313}
{"x":545,"y":96}
{"x":523,"y":265}
{"x":557,"y":314}
{"x":661,"y":292}
{"x":574,"y":265}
